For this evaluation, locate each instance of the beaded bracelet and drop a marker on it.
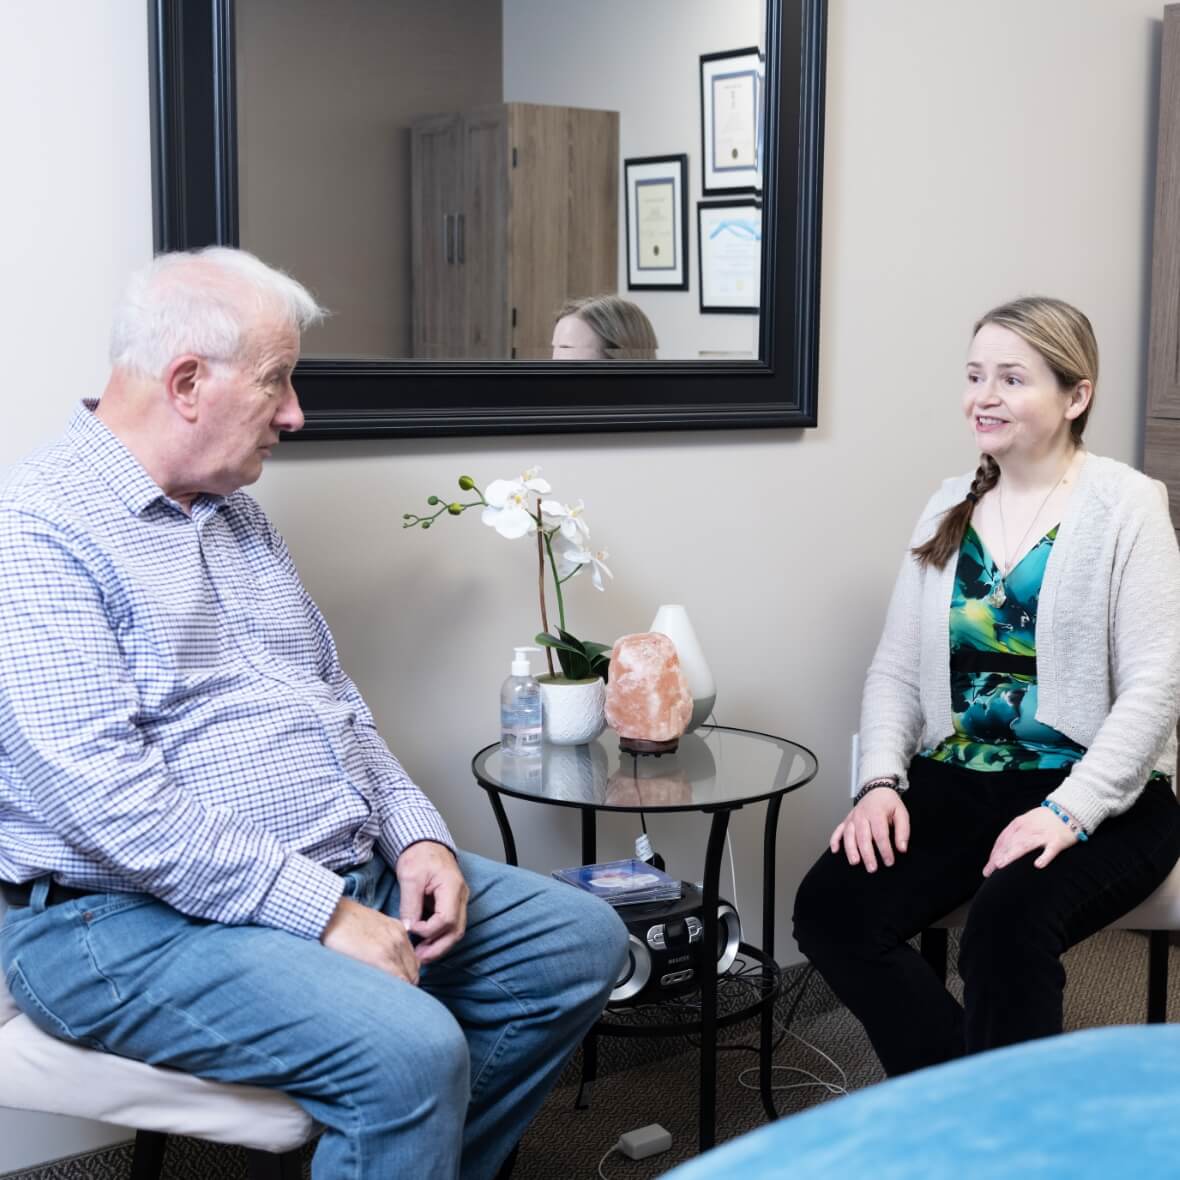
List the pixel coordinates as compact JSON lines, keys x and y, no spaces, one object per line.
{"x":873,"y":784}
{"x":1066,"y":818}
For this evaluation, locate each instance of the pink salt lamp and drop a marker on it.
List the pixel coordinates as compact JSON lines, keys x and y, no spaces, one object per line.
{"x":647,"y":699}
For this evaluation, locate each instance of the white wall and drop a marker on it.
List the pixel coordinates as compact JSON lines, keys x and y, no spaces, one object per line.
{"x":642,"y":60}
{"x":972,"y":153}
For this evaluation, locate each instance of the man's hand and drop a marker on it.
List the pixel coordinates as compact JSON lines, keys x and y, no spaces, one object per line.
{"x":864,"y":831}
{"x":429,"y":870}
{"x":369,"y":936}
{"x":1038,"y":828}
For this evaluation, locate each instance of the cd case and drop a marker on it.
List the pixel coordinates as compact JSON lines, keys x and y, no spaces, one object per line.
{"x":622,"y":882}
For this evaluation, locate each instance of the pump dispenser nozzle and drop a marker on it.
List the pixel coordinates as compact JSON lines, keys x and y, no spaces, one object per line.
{"x":520,"y":663}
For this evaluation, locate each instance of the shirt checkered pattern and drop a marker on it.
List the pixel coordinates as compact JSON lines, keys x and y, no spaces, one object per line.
{"x":173,"y":715}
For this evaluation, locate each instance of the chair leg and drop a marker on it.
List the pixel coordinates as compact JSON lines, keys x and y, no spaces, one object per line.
{"x":933,"y":945}
{"x":267,"y":1165}
{"x":1157,"y":976}
{"x":148,"y":1157}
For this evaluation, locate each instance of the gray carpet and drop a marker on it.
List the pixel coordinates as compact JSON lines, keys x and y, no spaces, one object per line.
{"x":656,"y":1081}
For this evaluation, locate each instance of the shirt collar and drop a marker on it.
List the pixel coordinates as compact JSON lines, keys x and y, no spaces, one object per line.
{"x":99,"y":447}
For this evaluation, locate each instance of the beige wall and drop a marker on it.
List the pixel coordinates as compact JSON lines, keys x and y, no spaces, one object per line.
{"x":973,"y":152}
{"x":325,"y":169}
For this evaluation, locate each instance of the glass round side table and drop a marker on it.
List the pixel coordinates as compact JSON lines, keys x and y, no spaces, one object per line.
{"x":716,"y":770}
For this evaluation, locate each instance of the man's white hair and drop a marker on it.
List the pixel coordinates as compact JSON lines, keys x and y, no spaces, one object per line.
{"x":204,"y":303}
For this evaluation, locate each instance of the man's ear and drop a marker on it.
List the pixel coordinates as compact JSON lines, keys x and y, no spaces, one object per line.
{"x":1079,"y":399}
{"x":182,"y":381}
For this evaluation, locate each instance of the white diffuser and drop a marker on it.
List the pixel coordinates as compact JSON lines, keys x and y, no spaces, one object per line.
{"x":672,"y":620}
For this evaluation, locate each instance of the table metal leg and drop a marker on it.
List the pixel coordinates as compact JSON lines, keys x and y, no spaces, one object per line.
{"x":590,"y":1041}
{"x":708,"y":1105}
{"x":505,"y":829}
{"x":766,"y":1039}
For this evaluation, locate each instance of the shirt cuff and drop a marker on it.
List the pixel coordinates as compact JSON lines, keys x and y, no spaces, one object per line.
{"x":301,"y":898}
{"x":412,"y":827}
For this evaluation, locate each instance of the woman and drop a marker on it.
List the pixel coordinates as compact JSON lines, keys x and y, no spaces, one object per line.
{"x":1018,"y":726}
{"x":603,"y":328}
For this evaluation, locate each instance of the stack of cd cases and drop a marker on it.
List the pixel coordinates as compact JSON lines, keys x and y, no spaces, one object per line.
{"x":623,"y":882}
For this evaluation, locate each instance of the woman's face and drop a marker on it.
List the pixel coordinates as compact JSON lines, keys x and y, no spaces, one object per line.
{"x":575,"y":340}
{"x":1014,"y":405}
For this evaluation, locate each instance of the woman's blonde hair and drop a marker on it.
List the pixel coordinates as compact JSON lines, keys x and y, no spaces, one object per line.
{"x":624,"y":332}
{"x":1064,"y":337}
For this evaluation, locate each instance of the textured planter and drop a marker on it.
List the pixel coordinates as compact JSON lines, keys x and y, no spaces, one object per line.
{"x":571,"y":710}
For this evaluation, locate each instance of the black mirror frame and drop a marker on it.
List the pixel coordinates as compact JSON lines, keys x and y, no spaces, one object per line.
{"x":195,"y":203}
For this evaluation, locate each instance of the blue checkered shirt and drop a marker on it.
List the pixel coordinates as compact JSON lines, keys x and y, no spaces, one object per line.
{"x":173,"y":715}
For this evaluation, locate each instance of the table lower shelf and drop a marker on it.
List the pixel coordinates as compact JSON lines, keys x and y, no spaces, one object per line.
{"x":746,"y":989}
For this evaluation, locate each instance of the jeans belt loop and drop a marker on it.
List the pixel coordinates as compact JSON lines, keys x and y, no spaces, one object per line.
{"x":39,"y":894}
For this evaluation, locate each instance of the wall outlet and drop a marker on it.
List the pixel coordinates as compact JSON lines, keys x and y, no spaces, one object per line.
{"x":852,"y":783}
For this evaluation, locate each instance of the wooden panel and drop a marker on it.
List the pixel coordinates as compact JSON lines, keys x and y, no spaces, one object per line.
{"x":1161,"y":458}
{"x":436,"y":188}
{"x":483,"y":239}
{"x":538,"y":238}
{"x":1163,"y":366}
{"x":593,"y":265}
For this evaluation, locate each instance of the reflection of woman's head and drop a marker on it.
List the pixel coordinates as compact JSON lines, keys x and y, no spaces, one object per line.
{"x":1062,"y":335}
{"x":603,"y":327}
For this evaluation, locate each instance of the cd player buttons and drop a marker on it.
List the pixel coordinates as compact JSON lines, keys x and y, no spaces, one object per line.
{"x":674,"y":977}
{"x":695,"y":928}
{"x":655,"y":937}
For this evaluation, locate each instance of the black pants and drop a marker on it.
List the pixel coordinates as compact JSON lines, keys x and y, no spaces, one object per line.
{"x":855,"y":925}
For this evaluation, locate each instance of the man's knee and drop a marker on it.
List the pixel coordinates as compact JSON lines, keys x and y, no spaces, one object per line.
{"x":595,"y":938}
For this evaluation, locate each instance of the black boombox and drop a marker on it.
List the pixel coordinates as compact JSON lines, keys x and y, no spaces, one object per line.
{"x":667,"y":947}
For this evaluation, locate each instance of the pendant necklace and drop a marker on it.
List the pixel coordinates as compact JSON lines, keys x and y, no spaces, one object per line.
{"x":999,"y":593}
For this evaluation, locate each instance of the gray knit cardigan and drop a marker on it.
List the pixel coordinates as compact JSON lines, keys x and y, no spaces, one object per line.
{"x":1107,"y":636}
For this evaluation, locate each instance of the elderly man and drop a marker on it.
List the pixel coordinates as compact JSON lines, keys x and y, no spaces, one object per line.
{"x":212,"y":860}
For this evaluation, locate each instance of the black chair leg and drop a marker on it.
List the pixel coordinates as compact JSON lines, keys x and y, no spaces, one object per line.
{"x":266,"y":1165}
{"x":1157,"y":976}
{"x":933,"y":945}
{"x":148,"y":1157}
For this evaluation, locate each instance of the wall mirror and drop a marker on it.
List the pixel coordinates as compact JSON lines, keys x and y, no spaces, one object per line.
{"x":445,"y":176}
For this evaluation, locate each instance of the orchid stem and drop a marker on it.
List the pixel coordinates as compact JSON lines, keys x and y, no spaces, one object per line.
{"x":542,"y":545}
{"x":556,"y":581}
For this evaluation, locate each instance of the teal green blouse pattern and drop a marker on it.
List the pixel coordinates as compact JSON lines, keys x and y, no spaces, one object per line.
{"x":993,"y":665}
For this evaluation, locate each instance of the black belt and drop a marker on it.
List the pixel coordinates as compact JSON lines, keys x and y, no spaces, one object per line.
{"x":19,"y":895}
{"x":972,"y":659}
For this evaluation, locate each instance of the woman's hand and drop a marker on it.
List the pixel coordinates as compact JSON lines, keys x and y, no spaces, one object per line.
{"x":1038,"y":828}
{"x":864,"y":831}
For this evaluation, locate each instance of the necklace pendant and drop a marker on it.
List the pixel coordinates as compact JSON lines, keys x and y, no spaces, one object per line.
{"x":998,"y":595}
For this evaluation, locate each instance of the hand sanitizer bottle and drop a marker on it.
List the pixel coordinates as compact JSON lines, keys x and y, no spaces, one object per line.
{"x":520,"y":708}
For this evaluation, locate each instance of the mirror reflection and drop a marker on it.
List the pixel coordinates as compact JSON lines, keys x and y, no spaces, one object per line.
{"x":448,"y":177}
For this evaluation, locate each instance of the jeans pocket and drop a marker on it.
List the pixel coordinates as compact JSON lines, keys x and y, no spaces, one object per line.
{"x":31,"y":1004}
{"x":107,"y":905}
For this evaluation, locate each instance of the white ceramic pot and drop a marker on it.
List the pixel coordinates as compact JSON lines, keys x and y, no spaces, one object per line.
{"x":572,"y":710}
{"x":672,"y":620}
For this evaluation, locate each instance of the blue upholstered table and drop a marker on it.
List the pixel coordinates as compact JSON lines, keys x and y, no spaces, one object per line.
{"x":1097,"y":1105}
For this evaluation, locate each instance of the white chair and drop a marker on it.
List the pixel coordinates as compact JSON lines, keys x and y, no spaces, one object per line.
{"x":40,"y":1073}
{"x":1158,"y":915}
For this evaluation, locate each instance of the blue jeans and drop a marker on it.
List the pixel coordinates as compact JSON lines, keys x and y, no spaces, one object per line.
{"x":438,"y":1080}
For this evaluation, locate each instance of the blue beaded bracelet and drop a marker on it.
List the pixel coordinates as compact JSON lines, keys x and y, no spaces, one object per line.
{"x":1066,"y":818}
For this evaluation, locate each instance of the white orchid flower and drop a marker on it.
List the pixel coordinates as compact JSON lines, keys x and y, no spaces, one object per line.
{"x":567,"y":518}
{"x":507,"y":508}
{"x":574,"y":557}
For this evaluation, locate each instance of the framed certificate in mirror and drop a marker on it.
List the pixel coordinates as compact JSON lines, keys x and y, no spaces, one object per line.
{"x":656,"y":212}
{"x":732,"y":101}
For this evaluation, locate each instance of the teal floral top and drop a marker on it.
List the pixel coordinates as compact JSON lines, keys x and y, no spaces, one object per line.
{"x":994,"y":668}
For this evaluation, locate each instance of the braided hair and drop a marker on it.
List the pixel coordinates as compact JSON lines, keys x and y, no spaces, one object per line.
{"x":950,"y":533}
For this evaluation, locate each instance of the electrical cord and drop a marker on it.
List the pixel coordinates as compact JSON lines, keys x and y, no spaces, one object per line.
{"x":603,"y":1161}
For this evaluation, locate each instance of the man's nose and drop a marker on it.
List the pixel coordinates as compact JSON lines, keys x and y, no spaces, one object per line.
{"x":290,"y":415}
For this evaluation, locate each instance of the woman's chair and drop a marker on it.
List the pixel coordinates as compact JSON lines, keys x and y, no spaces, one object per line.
{"x":40,"y":1073}
{"x":1159,"y":915}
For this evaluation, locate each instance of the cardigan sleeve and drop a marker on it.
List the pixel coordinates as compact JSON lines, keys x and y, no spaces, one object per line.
{"x":891,"y":717}
{"x":1145,"y":671}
